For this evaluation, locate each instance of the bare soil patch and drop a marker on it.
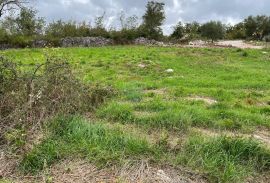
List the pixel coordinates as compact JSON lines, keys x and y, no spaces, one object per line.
{"x":206,"y":100}
{"x":223,"y":44}
{"x":161,"y":91}
{"x":237,"y":44}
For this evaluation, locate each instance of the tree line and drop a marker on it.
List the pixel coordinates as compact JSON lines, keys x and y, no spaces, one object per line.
{"x":25,"y":27}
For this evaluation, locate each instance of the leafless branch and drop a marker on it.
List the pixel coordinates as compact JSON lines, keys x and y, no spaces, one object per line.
{"x":7,"y":5}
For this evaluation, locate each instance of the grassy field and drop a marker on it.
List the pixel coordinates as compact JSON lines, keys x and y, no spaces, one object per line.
{"x":206,"y":109}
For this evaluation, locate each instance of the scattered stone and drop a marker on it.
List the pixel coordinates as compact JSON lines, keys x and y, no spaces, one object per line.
{"x":85,"y":41}
{"x":142,"y":66}
{"x":197,"y":43}
{"x":169,"y":70}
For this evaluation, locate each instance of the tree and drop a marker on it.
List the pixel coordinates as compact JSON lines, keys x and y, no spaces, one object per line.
{"x":128,"y":23}
{"x":25,"y":23}
{"x":257,"y":27}
{"x":7,"y":5}
{"x":236,"y":32}
{"x":28,"y":24}
{"x":179,"y":31}
{"x":213,"y":30}
{"x":153,"y":19}
{"x":192,"y":29}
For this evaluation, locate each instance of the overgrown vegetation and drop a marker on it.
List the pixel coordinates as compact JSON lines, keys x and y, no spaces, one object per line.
{"x":28,"y":98}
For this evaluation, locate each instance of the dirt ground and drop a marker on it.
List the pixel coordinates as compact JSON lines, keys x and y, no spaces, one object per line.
{"x":238,"y":44}
{"x":224,"y":43}
{"x":81,"y":171}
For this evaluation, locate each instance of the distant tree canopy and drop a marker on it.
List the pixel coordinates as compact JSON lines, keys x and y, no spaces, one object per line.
{"x":153,"y":19}
{"x":213,"y":30}
{"x":26,"y":23}
{"x":236,"y":32}
{"x":188,"y":30}
{"x":179,"y":31}
{"x":257,"y":27}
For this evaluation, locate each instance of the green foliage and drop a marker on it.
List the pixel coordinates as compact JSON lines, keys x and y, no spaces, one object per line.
{"x":152,"y":20}
{"x":4,"y":38}
{"x":28,"y":24}
{"x":189,"y":30}
{"x":213,"y":30}
{"x":193,"y":30}
{"x":257,"y":27}
{"x":179,"y":31}
{"x":236,"y":32}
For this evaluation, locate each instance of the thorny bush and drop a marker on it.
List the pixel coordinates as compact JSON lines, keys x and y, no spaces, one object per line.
{"x":27,"y":100}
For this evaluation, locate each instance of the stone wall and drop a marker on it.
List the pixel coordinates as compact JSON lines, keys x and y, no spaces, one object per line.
{"x":149,"y":42}
{"x":85,"y":42}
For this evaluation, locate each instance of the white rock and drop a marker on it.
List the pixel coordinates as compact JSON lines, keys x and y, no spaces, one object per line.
{"x":169,"y":70}
{"x":141,"y":65}
{"x":264,"y":52}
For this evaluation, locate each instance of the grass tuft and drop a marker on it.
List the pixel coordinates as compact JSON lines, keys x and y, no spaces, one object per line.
{"x":225,"y":159}
{"x":75,"y":136}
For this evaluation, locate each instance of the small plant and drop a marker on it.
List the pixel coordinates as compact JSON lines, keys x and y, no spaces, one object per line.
{"x":229,"y":124}
{"x":244,"y":54}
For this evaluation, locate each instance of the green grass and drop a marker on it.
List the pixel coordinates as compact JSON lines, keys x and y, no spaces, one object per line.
{"x":225,"y":159}
{"x":150,"y":98}
{"x":240,"y":84}
{"x":80,"y":138}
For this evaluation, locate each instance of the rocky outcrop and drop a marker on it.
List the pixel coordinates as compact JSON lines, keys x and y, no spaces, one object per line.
{"x":85,"y":42}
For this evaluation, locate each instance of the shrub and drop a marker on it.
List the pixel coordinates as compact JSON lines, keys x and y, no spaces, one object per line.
{"x":51,"y":89}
